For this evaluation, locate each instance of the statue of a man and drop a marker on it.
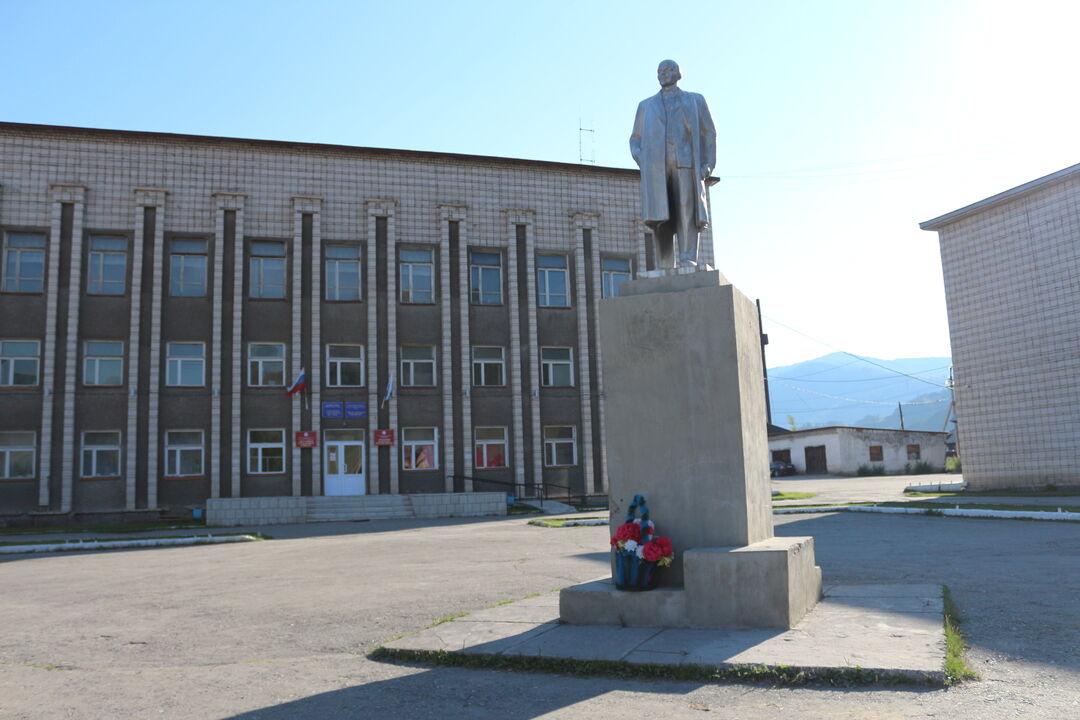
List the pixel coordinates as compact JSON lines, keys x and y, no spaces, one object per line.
{"x":674,"y":144}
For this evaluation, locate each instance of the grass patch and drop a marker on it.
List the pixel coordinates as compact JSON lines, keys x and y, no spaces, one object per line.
{"x":257,"y":536}
{"x":561,"y":522}
{"x":773,"y":675}
{"x":956,"y":668}
{"x":1055,"y":492}
{"x":523,"y":510}
{"x":793,"y":496}
{"x":114,"y":528}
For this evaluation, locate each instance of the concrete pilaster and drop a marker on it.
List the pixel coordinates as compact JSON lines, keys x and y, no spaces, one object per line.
{"x":144,"y":198}
{"x":76,"y":195}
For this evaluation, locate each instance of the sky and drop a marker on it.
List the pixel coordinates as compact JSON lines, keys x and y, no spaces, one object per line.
{"x":841,"y":124}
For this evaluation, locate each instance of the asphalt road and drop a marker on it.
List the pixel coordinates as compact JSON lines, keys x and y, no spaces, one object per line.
{"x":279,"y":629}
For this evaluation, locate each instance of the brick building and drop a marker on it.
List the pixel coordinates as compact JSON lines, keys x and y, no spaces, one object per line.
{"x":160,"y":293}
{"x":1011,"y":265}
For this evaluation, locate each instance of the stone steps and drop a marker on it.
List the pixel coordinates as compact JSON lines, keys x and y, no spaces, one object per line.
{"x":358,"y":507}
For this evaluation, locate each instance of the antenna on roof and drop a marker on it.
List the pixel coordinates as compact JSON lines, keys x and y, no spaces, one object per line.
{"x":585,"y":138}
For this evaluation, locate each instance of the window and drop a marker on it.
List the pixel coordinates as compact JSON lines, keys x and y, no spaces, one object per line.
{"x":490,"y":445}
{"x":103,"y":363}
{"x":24,"y":263}
{"x":106,"y":272}
{"x":913,"y":452}
{"x":344,"y":366}
{"x":266,"y":365}
{"x":184,"y":366}
{"x":419,"y":448}
{"x":551,"y":281}
{"x":183,"y":453}
{"x":560,"y":445}
{"x":876,"y":454}
{"x":18,"y":363}
{"x":100,"y":454}
{"x":416,"y":276}
{"x":267,"y":270}
{"x":187,"y":268}
{"x":556,"y":367}
{"x":417,"y":365}
{"x":266,"y":451}
{"x":485,"y":278}
{"x":613,"y":272}
{"x":17,"y":455}
{"x":343,"y":272}
{"x":487,"y":366}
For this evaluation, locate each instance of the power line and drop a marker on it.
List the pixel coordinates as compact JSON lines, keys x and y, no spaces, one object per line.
{"x":853,"y":400}
{"x":857,"y":357}
{"x":882,"y":377}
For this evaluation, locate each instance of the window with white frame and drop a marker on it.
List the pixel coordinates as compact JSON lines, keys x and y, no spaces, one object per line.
{"x":187,"y":267}
{"x":416,"y":276}
{"x":417,"y":366}
{"x":485,"y":278}
{"x":24,"y":263}
{"x":185,"y":364}
{"x":342,"y":272}
{"x":19,"y":363}
{"x":183,"y":453}
{"x":556,"y":367}
{"x":614,"y":272}
{"x":103,"y":362}
{"x":489,"y":445}
{"x":344,"y":366}
{"x":266,"y":365}
{"x":101,"y":454}
{"x":18,"y":455}
{"x":560,"y":445}
{"x":552,"y":281}
{"x":488,"y":367}
{"x":419,"y":448}
{"x":266,"y":266}
{"x":106,"y":270}
{"x":266,"y":452}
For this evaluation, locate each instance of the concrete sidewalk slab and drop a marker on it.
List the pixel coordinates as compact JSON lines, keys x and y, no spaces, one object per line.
{"x":893,"y":631}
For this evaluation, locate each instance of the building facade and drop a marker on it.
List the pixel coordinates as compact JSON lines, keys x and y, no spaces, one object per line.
{"x":843,"y":450}
{"x":1010,"y":264}
{"x":160,"y":293}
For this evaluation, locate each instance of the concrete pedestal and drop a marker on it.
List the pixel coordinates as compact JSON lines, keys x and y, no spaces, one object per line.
{"x":685,"y":426}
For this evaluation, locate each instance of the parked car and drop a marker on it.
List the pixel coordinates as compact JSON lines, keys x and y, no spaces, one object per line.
{"x":779,"y":468}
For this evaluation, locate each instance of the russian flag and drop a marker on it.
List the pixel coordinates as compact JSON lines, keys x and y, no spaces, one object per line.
{"x":299,"y":384}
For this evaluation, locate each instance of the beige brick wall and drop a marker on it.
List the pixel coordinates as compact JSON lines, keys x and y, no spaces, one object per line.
{"x":1012,"y":284}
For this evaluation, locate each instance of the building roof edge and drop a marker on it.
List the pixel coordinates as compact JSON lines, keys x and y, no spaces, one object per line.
{"x":951,"y":217}
{"x":290,"y":144}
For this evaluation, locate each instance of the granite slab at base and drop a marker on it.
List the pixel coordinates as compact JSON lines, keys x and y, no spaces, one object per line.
{"x":890,"y":630}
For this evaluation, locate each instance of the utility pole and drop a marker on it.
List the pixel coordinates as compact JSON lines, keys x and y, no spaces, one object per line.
{"x":764,"y":368}
{"x":901,"y":409}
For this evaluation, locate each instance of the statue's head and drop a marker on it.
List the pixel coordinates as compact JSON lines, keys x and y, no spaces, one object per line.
{"x":668,"y":73}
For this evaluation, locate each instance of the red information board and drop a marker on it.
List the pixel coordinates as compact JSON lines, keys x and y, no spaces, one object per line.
{"x":307,"y":439}
{"x":383,"y":437}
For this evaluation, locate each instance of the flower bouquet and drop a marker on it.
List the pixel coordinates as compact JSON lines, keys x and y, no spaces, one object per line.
{"x":638,"y":550}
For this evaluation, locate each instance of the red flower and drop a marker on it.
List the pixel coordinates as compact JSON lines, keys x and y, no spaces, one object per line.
{"x":657,"y":548}
{"x":627,"y":531}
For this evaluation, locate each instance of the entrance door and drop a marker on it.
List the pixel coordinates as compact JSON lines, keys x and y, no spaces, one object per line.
{"x":343,"y":460}
{"x":815,"y":459}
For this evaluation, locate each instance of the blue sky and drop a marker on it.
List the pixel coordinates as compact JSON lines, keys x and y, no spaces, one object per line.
{"x":841,"y":124}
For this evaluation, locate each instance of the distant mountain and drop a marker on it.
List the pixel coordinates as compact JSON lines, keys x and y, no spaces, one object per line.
{"x":840,"y":389}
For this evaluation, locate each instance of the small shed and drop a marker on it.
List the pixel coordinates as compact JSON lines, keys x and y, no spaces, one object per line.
{"x":840,"y":450}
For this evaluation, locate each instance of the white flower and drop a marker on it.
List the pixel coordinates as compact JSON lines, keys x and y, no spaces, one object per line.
{"x":641,"y":551}
{"x":637,"y":521}
{"x":631,"y":545}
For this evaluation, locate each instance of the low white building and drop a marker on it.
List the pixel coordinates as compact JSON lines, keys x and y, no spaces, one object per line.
{"x":842,"y":450}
